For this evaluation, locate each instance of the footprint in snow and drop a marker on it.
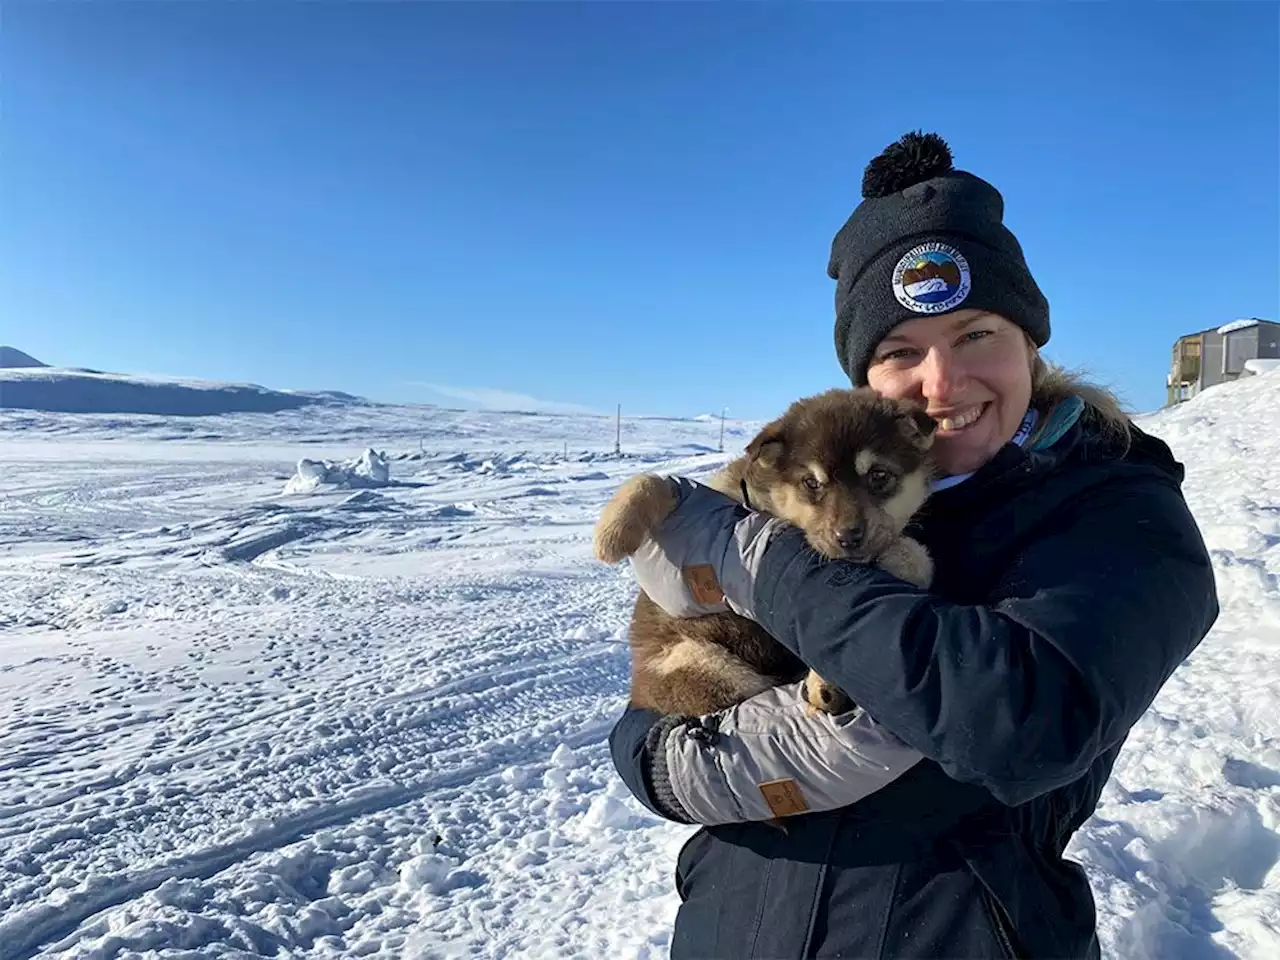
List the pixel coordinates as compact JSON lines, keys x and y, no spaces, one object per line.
{"x":1251,"y":776}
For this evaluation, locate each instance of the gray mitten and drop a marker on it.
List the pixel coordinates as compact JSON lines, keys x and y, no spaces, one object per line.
{"x":770,"y":756}
{"x":704,"y":557}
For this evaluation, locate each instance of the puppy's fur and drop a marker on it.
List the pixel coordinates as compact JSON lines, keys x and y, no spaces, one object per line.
{"x":850,"y":469}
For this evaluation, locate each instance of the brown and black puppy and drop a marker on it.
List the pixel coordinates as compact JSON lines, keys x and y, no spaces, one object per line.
{"x":849,"y":468}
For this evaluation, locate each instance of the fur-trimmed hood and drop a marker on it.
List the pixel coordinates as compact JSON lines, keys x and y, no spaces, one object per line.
{"x":1051,"y":385}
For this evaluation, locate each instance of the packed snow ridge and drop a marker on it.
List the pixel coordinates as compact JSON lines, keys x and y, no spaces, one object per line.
{"x":367,"y":470}
{"x":371,"y":721}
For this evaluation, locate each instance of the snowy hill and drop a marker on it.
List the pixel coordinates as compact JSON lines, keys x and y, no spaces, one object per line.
{"x":370,"y":719}
{"x":11,"y":358}
{"x":38,"y":387}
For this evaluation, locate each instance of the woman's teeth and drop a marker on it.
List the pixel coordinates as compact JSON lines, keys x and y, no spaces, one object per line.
{"x":961,"y":420}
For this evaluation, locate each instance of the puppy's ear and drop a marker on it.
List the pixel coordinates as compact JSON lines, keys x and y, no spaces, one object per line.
{"x":767,"y":446}
{"x":919,"y":427}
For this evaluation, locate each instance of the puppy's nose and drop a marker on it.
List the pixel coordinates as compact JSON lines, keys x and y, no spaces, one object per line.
{"x":850,"y":538}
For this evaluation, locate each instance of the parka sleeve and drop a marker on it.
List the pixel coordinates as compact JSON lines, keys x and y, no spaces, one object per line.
{"x":637,"y":744}
{"x":1022,"y":694}
{"x":765,"y":757}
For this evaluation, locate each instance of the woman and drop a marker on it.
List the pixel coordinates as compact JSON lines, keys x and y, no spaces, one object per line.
{"x":1070,"y":582}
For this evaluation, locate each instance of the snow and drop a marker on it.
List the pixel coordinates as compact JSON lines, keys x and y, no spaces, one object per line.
{"x":367,"y":470}
{"x":1242,"y":324}
{"x":371,"y":720}
{"x":38,"y":387}
{"x":924,"y":287}
{"x":1262,"y":364}
{"x":11,"y":357}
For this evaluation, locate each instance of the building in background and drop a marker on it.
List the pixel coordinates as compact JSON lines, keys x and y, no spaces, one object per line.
{"x":1221,"y":354}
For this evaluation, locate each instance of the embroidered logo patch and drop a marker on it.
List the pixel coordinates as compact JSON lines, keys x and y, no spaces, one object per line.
{"x":931,"y":278}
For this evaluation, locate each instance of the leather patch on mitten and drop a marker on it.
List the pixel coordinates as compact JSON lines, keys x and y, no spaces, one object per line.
{"x":702,"y":583}
{"x":784,"y":797}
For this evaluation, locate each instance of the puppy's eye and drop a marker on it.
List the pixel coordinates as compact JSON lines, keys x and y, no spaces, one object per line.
{"x":879,"y":480}
{"x":812,"y":483}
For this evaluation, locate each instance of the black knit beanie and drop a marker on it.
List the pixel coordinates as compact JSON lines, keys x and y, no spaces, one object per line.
{"x":926,"y":239}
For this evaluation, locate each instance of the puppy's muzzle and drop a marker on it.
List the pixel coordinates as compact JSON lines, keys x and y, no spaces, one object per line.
{"x":850,"y":538}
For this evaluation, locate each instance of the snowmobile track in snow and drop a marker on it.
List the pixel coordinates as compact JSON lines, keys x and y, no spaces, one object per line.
{"x":372,"y":723}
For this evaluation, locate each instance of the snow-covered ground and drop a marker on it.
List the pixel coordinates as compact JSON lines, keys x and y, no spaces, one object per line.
{"x":370,"y":719}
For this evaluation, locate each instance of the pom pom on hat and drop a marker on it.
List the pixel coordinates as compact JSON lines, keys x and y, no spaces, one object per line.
{"x":914,"y":158}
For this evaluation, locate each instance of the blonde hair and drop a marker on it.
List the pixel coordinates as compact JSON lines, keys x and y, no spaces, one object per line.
{"x":1051,"y":384}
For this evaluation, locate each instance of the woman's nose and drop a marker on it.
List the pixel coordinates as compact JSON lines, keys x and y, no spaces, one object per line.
{"x":941,"y":375}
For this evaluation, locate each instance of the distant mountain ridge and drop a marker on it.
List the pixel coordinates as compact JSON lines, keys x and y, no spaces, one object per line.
{"x":12,"y":358}
{"x":28,"y":384}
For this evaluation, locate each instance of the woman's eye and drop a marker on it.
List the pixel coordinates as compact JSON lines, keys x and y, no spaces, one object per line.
{"x":900,"y":354}
{"x":972,"y":335}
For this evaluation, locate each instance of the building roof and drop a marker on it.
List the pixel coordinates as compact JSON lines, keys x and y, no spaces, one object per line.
{"x":1235,"y":325}
{"x":1242,"y":324}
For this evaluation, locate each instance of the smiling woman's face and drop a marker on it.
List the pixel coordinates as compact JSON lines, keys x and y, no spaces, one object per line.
{"x":972,"y":371}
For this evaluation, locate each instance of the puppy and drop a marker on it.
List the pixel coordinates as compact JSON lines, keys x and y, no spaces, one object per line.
{"x":849,"y":468}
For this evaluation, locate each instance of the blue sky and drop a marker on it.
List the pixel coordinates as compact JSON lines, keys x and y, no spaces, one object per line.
{"x":592,"y":204}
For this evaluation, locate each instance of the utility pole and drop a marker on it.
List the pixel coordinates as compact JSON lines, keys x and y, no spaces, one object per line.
{"x":617,"y":443}
{"x":723,"y":411}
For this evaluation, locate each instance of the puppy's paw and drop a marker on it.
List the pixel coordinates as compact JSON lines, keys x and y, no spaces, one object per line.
{"x":638,"y":507}
{"x":908,"y":560}
{"x":824,"y":697}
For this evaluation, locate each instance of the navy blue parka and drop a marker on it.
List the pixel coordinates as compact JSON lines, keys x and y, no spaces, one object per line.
{"x":1070,"y":583}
